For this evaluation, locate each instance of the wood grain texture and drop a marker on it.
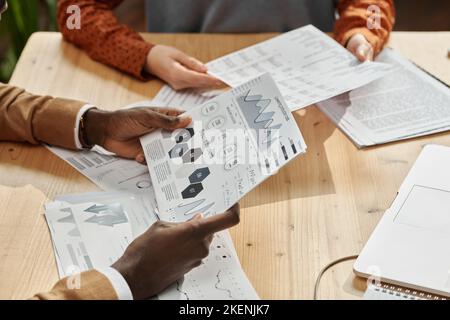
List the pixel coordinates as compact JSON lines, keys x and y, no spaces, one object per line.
{"x":320,"y":207}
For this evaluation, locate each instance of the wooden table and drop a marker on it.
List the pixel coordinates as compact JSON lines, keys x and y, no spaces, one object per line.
{"x":320,"y":207}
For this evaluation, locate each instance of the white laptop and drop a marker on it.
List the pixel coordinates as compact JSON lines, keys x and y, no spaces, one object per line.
{"x":410,"y":247}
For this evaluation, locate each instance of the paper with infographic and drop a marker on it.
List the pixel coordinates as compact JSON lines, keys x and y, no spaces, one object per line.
{"x":236,"y":141}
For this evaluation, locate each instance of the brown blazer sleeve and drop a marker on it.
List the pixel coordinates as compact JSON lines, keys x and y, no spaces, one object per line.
{"x":103,"y":38}
{"x":26,"y":117}
{"x":353,"y":16}
{"x":92,"y":286}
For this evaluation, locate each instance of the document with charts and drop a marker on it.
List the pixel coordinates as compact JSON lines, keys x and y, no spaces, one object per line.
{"x":106,"y":170}
{"x":82,"y":224}
{"x":307,"y":65}
{"x":405,"y":104}
{"x":236,"y":140}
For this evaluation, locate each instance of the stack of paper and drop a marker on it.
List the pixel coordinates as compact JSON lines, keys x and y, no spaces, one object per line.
{"x":406,"y":103}
{"x":93,"y":230}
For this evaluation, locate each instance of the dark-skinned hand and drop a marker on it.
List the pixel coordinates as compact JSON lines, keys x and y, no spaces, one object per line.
{"x":167,"y":251}
{"x":119,"y":131}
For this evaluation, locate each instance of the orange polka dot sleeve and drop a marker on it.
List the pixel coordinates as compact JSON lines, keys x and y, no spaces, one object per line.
{"x":353,"y":18}
{"x":103,"y":38}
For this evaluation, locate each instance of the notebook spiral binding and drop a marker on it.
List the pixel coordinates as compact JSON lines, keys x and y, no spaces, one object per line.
{"x":405,"y":293}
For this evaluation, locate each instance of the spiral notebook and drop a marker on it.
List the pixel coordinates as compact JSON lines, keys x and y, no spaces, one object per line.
{"x":409,"y":249}
{"x":385,"y":291}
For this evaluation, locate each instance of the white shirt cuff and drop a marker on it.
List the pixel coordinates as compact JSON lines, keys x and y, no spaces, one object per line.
{"x":118,"y":282}
{"x":76,"y":129}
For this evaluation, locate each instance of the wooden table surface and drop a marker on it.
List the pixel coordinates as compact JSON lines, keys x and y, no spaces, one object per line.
{"x":322,"y":206}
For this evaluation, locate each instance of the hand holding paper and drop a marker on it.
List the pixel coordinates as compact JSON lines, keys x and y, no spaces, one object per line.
{"x":119,"y":131}
{"x":307,"y":65}
{"x":360,"y":47}
{"x":235,"y":142}
{"x":80,"y":228}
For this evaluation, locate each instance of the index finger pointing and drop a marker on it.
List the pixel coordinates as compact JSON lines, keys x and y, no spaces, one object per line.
{"x":219,"y":222}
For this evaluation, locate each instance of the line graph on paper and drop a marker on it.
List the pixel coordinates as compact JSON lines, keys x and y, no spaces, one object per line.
{"x":255,"y":110}
{"x":218,"y":277}
{"x":220,"y":285}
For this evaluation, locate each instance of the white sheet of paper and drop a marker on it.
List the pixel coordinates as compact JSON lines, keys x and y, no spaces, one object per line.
{"x":235,"y":142}
{"x":404,"y":104}
{"x":88,"y":233}
{"x":108,"y":171}
{"x":374,"y":292}
{"x":307,"y":65}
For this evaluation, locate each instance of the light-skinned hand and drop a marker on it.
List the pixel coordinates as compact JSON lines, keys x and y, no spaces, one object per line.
{"x":178,"y":69}
{"x":360,"y":47}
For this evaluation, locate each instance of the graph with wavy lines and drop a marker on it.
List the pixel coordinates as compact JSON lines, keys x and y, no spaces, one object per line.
{"x":220,"y":276}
